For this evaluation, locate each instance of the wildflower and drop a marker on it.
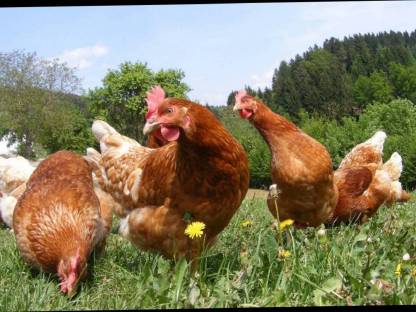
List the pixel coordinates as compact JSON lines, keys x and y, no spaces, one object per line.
{"x":369,"y":240}
{"x":284,"y":253}
{"x":195,"y":229}
{"x":406,"y":257}
{"x":246,"y":223}
{"x":274,"y":191}
{"x":321,"y":232}
{"x":398,"y":271}
{"x":285,"y":224}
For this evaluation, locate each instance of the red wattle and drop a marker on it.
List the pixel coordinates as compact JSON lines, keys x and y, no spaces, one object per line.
{"x":170,"y":134}
{"x":245,"y":113}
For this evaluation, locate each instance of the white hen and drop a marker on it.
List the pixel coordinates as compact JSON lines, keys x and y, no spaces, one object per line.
{"x":13,"y":172}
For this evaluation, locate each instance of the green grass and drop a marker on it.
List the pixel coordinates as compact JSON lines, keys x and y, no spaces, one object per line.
{"x":243,"y":269}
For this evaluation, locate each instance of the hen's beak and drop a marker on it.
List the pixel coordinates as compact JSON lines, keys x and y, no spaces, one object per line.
{"x":150,"y":126}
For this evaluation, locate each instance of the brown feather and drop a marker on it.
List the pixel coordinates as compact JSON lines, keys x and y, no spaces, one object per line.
{"x":204,"y":173}
{"x":58,"y":213}
{"x":301,"y":167}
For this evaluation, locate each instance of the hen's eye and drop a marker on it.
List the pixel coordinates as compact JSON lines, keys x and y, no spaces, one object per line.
{"x":169,"y":110}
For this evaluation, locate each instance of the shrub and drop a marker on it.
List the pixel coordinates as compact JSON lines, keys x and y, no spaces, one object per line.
{"x":396,"y":118}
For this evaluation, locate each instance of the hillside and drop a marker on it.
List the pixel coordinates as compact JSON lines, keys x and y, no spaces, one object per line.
{"x":341,"y":77}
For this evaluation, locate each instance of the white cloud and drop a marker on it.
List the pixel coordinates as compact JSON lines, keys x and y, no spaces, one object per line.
{"x":82,"y":58}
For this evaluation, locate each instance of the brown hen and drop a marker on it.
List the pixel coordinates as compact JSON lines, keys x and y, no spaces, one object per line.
{"x":364,"y":183}
{"x":57,"y":220}
{"x":301,"y":167}
{"x":200,"y":173}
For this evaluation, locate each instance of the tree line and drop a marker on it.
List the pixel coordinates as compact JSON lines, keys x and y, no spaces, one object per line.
{"x":343,"y":76}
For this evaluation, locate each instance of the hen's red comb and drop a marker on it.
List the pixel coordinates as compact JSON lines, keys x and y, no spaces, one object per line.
{"x":240,"y":94}
{"x":154,"y":98}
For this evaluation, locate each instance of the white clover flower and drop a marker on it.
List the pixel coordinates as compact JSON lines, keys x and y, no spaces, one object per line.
{"x":273,"y":190}
{"x":406,"y":257}
{"x":321,"y":232}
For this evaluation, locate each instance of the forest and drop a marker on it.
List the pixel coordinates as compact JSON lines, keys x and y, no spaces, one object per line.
{"x":340,"y":93}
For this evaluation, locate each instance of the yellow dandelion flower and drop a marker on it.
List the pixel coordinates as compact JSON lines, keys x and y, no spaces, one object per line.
{"x":284,"y":253}
{"x":195,"y":229}
{"x":246,"y":223}
{"x":285,"y":224}
{"x":398,"y":270}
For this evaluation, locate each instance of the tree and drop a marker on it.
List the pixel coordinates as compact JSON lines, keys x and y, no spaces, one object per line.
{"x":342,"y":77}
{"x":121,"y":99}
{"x":284,"y":91}
{"x":231,"y":98}
{"x":403,"y":80}
{"x":373,"y":88}
{"x":71,"y":131}
{"x":397,"y":119}
{"x":33,"y":99}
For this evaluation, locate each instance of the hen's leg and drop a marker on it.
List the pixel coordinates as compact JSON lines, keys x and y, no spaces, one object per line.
{"x":160,"y":229}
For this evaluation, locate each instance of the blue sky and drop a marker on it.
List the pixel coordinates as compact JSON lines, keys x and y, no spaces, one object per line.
{"x":220,"y":47}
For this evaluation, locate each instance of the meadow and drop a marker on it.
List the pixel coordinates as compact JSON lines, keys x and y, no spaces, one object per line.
{"x":253,"y":264}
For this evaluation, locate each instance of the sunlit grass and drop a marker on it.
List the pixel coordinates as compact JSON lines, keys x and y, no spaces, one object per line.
{"x":251,"y":265}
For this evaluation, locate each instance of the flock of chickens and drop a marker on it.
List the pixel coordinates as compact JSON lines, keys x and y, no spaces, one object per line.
{"x":192,"y":169}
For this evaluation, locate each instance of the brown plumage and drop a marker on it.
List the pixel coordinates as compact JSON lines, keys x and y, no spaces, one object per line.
{"x":201,"y":171}
{"x":154,"y":142}
{"x":364,"y":183}
{"x":301,"y":167}
{"x":394,"y":168}
{"x":57,"y":220}
{"x":361,"y":193}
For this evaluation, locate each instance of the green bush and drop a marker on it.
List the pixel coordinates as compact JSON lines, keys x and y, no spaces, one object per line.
{"x":259,"y":160}
{"x":396,"y":118}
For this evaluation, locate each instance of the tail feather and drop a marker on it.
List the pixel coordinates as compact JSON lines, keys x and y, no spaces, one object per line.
{"x":404,"y":196}
{"x":109,"y":138}
{"x":377,"y":140}
{"x":101,"y":128}
{"x":117,"y":167}
{"x":7,"y":205}
{"x":366,"y":153}
{"x":397,"y":194}
{"x":93,"y":158}
{"x":394,"y":166}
